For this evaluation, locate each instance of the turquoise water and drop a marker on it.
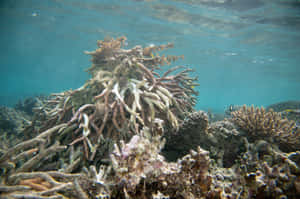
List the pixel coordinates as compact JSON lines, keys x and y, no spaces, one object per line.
{"x":244,"y":51}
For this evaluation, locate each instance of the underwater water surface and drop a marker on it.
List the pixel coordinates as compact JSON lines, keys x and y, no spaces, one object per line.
{"x":243,"y":51}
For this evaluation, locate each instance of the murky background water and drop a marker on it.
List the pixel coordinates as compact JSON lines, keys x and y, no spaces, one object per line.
{"x":244,"y":51}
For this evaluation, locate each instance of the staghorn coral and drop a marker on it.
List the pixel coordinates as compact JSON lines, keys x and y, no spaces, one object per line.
{"x":267,"y":125}
{"x":26,"y":149}
{"x":132,"y":92}
{"x":125,"y":94}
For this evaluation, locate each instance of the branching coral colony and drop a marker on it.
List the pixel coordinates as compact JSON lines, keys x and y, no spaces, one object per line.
{"x":126,"y":92}
{"x":269,"y":125}
{"x":132,"y":93}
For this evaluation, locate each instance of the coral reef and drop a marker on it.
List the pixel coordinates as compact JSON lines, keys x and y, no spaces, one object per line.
{"x":105,"y":139}
{"x":259,"y":123}
{"x":125,"y":94}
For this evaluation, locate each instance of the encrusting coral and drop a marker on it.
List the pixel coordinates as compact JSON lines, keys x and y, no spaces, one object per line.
{"x":259,"y":123}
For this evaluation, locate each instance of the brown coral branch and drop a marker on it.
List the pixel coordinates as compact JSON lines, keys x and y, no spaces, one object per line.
{"x":13,"y":188}
{"x":77,"y":140}
{"x":61,"y":187}
{"x":31,"y":196}
{"x":41,"y":155}
{"x":114,"y":118}
{"x":74,"y":164}
{"x":25,"y":154}
{"x":23,"y":145}
{"x":122,"y":113}
{"x":35,"y":183}
{"x":79,"y":190}
{"x":79,"y":111}
{"x":147,"y":71}
{"x":33,"y":175}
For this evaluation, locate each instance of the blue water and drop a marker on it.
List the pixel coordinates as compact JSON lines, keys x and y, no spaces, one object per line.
{"x":244,"y":51}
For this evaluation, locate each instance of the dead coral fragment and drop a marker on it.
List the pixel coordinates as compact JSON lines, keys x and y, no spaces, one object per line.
{"x":51,"y":184}
{"x":261,"y":124}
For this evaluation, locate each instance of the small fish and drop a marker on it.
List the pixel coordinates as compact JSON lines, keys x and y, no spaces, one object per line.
{"x":34,"y":14}
{"x":296,"y":111}
{"x":231,"y":107}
